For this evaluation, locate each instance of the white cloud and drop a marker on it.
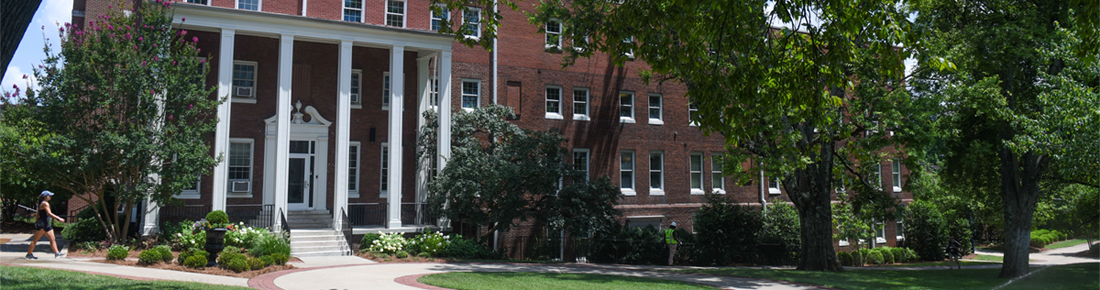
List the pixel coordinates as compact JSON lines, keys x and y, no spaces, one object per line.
{"x":14,"y":77}
{"x":52,"y":13}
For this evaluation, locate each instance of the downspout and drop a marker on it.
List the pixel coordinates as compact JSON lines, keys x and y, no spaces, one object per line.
{"x":495,"y":60}
{"x":763,"y":193}
{"x":305,"y":5}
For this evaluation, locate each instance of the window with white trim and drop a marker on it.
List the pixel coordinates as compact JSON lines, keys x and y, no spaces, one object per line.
{"x":395,"y":13}
{"x":356,"y":87}
{"x":386,"y":91}
{"x":895,"y":172}
{"x":244,"y":79}
{"x":880,"y":232}
{"x":655,"y":109}
{"x":433,"y":97}
{"x":580,"y":104}
{"x":842,"y":185}
{"x":878,"y":176}
{"x":253,"y":5}
{"x":695,"y":171}
{"x":353,"y":10}
{"x":553,"y":34}
{"x":626,"y":172}
{"x":438,"y":18}
{"x":773,"y":186}
{"x":203,"y":2}
{"x":553,"y":102}
{"x":900,"y":235}
{"x":240,"y":161}
{"x":693,"y":110}
{"x":656,"y":173}
{"x":626,"y":107}
{"x":471,"y":22}
{"x":717,"y":179}
{"x":580,"y":163}
{"x":629,"y":52}
{"x":471,"y":94}
{"x":353,"y":169}
{"x":384,"y":183}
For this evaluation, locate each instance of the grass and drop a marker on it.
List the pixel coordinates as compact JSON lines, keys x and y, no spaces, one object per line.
{"x":1076,"y":276}
{"x":935,"y":264}
{"x":555,"y":281}
{"x":14,"y":278}
{"x":1066,"y":243}
{"x":993,"y":258}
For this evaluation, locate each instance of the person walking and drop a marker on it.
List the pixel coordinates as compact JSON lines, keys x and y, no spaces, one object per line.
{"x":43,"y":226}
{"x":954,"y":251}
{"x":672,"y":241}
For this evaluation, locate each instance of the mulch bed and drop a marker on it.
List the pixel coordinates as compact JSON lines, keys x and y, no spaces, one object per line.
{"x":410,"y":259}
{"x":132,"y":261}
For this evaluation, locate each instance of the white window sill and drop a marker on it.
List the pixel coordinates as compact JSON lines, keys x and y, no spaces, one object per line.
{"x":774,"y":191}
{"x":188,"y":195}
{"x":626,"y":120}
{"x":696,"y":191}
{"x":556,"y":47}
{"x":628,"y":191}
{"x":244,"y":100}
{"x":554,"y":116}
{"x":897,"y":189}
{"x":718,"y":191}
{"x":656,"y":122}
{"x":474,"y":37}
{"x":353,"y":194}
{"x":356,"y":106}
{"x":238,"y":195}
{"x":899,"y":238}
{"x":880,"y":240}
{"x":693,"y":124}
{"x":843,"y":243}
{"x":385,"y":107}
{"x":467,"y":109}
{"x":383,"y":194}
{"x":656,"y":191}
{"x":581,"y":117}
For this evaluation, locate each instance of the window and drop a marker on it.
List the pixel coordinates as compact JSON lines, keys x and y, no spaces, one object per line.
{"x":843,"y":184}
{"x":553,"y":102}
{"x":353,"y":169}
{"x":693,"y":110}
{"x":580,"y":104}
{"x":438,"y":18}
{"x":470,"y":93}
{"x":433,"y":98}
{"x":253,"y":5}
{"x":356,"y":87}
{"x":629,"y":41}
{"x":773,"y":186}
{"x":471,"y":22}
{"x":878,"y":176}
{"x":655,"y":110}
{"x":244,"y":79}
{"x":580,"y":163}
{"x":386,"y":90}
{"x":353,"y":10}
{"x":880,"y":232}
{"x":695,"y":170}
{"x":900,"y":229}
{"x":626,"y":169}
{"x":553,"y":34}
{"x":240,"y":164}
{"x":385,"y":170}
{"x":395,"y":13}
{"x":626,"y":107}
{"x":895,"y":170}
{"x":656,"y":178}
{"x":717,"y":179}
{"x":203,"y":2}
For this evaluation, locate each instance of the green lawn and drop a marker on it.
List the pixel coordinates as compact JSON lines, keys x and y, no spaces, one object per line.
{"x":940,"y":263}
{"x":549,"y":281}
{"x":993,"y":258}
{"x":13,"y":278}
{"x":1066,"y":243}
{"x":1077,"y":276}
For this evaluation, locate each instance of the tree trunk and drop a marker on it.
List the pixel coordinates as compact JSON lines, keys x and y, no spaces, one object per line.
{"x":1020,"y":191}
{"x":812,"y":197}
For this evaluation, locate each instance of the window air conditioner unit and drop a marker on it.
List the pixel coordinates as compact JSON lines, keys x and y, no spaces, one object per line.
{"x":240,"y":186}
{"x":354,"y":98}
{"x":243,"y":92}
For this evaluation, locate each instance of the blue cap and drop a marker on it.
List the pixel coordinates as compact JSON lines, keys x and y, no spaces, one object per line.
{"x":46,"y":193}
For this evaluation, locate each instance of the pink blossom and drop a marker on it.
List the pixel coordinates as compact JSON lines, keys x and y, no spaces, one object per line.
{"x":155,"y":58}
{"x":169,"y":117}
{"x":154,"y":45}
{"x":173,"y":62}
{"x":143,"y":63}
{"x":202,"y":61}
{"x":135,"y":46}
{"x":190,"y":106}
{"x":183,"y":19}
{"x":24,"y":76}
{"x":195,"y":39}
{"x":183,"y":32}
{"x":141,"y":38}
{"x":110,"y":27}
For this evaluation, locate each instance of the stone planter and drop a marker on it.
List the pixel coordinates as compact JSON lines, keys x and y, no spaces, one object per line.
{"x":215,"y":243}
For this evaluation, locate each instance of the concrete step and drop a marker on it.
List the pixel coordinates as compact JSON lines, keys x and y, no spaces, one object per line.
{"x":305,"y":242}
{"x":322,"y":253}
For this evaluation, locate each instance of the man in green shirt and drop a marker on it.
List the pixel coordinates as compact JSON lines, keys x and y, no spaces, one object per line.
{"x":672,"y":241}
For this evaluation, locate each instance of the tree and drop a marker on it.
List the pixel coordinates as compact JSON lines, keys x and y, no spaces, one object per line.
{"x":127,"y":112}
{"x":1019,"y":105}
{"x":786,"y":98}
{"x":19,"y":186}
{"x":499,"y":173}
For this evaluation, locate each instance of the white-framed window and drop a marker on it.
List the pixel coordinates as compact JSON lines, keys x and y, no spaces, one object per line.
{"x":695,"y":172}
{"x":203,"y":2}
{"x":580,"y":104}
{"x":900,"y":235}
{"x":471,"y":94}
{"x":438,"y":18}
{"x":629,"y":52}
{"x":626,"y":172}
{"x":471,"y":21}
{"x":693,"y":110}
{"x":553,"y":102}
{"x":356,"y":89}
{"x":842,"y":185}
{"x":384,"y":183}
{"x":773,"y":186}
{"x":240,"y":165}
{"x":580,"y":162}
{"x":581,"y":43}
{"x":353,"y":169}
{"x":244,"y":81}
{"x":553,"y":34}
{"x":626,"y":107}
{"x":386,"y":91}
{"x":878,"y":176}
{"x":895,"y":172}
{"x":253,"y":5}
{"x":656,"y":173}
{"x":353,"y":10}
{"x":433,"y":97}
{"x":717,"y":179}
{"x":880,"y":232}
{"x":395,"y":13}
{"x":655,"y":110}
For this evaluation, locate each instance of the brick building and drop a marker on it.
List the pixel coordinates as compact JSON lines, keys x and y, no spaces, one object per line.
{"x":340,"y":69}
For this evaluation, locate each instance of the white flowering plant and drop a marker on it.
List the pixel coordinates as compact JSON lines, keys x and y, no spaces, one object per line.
{"x":389,"y":243}
{"x":244,"y":236}
{"x":184,"y":240}
{"x":432,"y":243}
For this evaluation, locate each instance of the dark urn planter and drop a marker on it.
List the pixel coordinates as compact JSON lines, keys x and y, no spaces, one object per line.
{"x":215,"y":243}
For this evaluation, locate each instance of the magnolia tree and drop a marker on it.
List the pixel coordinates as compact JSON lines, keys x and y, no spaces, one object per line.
{"x":121,"y":113}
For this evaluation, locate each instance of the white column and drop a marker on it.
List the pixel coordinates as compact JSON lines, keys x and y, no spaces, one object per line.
{"x":221,"y":130}
{"x":445,"y":106}
{"x":423,"y":87}
{"x":343,"y":123}
{"x":397,"y":104}
{"x":151,"y":214}
{"x":282,"y":113}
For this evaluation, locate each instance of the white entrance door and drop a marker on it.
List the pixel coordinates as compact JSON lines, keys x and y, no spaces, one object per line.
{"x":300,"y":175}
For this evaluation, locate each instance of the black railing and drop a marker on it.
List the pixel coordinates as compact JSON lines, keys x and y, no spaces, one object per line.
{"x":367,"y":214}
{"x":346,"y":228}
{"x":252,"y":215}
{"x":416,"y":213}
{"x":179,"y":213}
{"x":285,"y":227}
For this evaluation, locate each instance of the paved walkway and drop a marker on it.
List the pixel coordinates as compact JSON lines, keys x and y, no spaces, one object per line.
{"x":356,"y":273}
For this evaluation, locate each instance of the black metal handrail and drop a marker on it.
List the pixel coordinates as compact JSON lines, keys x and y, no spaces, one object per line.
{"x":286,"y":227}
{"x":345,"y":227}
{"x":367,"y":214}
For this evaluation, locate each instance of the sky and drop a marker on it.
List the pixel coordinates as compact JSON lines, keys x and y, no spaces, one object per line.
{"x":29,"y":54}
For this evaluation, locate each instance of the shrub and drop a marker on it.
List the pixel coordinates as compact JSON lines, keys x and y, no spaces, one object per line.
{"x":900,"y":255}
{"x":866,"y":254}
{"x":237,"y":264}
{"x":244,"y":236}
{"x":231,"y":250}
{"x":368,"y":239}
{"x":926,"y":230}
{"x":423,"y":255}
{"x":267,"y":260}
{"x":118,"y":252}
{"x":183,"y":257}
{"x":782,"y":227}
{"x":225,"y":259}
{"x":217,"y":217}
{"x":428,"y":242}
{"x":389,"y":243}
{"x":149,"y":257}
{"x":887,"y":255}
{"x":874,"y":258}
{"x":84,"y":229}
{"x":90,"y":246}
{"x":401,"y":254}
{"x":1038,"y":242}
{"x":628,"y":245}
{"x":165,"y":253}
{"x":269,"y":243}
{"x":727,"y":232}
{"x":845,"y":258}
{"x":465,"y":249}
{"x":255,"y":263}
{"x":857,"y":258}
{"x":195,"y":261}
{"x":278,"y":258}
{"x":187,"y":239}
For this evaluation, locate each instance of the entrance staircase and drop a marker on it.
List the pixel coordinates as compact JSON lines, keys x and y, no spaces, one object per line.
{"x":311,"y":234}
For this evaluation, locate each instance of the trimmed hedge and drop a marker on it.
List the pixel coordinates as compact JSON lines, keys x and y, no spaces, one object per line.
{"x":119,"y":252}
{"x":845,"y":258}
{"x":874,"y":257}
